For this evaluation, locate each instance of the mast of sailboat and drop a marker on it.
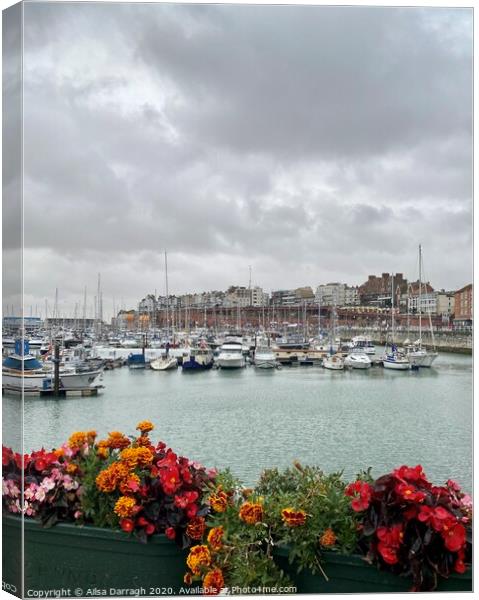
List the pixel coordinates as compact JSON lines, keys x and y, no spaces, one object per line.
{"x":419,"y":297}
{"x":167,"y":299}
{"x":392,"y":308}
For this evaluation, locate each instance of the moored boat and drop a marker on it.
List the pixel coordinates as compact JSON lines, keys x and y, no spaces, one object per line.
{"x":357,"y":360}
{"x":166,"y":363}
{"x":231,"y":355}
{"x":265,"y":358}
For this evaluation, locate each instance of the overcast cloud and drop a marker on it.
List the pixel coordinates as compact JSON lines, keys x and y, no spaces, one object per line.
{"x":316,"y":144}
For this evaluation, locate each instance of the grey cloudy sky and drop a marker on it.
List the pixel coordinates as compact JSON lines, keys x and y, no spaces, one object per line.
{"x":316,"y":144}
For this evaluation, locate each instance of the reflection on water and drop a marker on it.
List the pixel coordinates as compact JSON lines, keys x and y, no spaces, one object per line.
{"x":249,"y":419}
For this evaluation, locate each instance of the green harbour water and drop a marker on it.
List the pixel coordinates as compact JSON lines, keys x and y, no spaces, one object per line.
{"x":250,"y":419}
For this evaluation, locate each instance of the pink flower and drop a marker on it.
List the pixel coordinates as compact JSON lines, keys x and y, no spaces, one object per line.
{"x":212,"y":473}
{"x":40,"y":494}
{"x":466,"y":501}
{"x":30,"y":491}
{"x":77,"y":514}
{"x":69,"y":483}
{"x":47,"y":484}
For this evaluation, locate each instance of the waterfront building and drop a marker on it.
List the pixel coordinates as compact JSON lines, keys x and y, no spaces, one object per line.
{"x":339,"y":294}
{"x":14,"y":324}
{"x":127,"y":319}
{"x":463,"y":307}
{"x":445,"y":305}
{"x":244,"y":296}
{"x":70,"y":322}
{"x":147,"y":305}
{"x":284,"y":298}
{"x":376,"y":291}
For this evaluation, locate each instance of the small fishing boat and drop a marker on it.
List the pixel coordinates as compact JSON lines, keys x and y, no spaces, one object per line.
{"x":199,"y":358}
{"x":166,"y":363}
{"x":136,"y":361}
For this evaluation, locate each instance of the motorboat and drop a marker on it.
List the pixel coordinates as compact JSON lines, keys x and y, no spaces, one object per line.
{"x":231,"y":355}
{"x":265,"y":358}
{"x":334,"y":362}
{"x":362,"y":343}
{"x":23,"y":372}
{"x":199,"y":358}
{"x":166,"y":363}
{"x":357,"y":360}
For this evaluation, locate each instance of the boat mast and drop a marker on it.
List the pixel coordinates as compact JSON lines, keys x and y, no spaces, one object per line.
{"x":419,"y":298}
{"x":392,"y":308}
{"x":167,"y":299}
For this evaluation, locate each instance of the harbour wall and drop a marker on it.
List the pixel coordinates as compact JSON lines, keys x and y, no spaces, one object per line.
{"x":444,"y":341}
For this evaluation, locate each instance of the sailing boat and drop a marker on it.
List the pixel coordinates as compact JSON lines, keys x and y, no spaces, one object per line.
{"x":167,"y":362}
{"x":417,"y":355}
{"x":395,"y":359}
{"x":334,"y":362}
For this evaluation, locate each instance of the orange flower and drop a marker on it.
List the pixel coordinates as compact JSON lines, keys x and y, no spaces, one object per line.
{"x":117,"y":440}
{"x":213,"y":582}
{"x":188,"y":578}
{"x":293,"y":518}
{"x":196,"y":528}
{"x":251,"y":512}
{"x":218,"y":501}
{"x":110,"y":478}
{"x":125,"y":507}
{"x":59,"y":452}
{"x":71,"y":468}
{"x":215,"y":538}
{"x":136,"y":457}
{"x":91,"y":435}
{"x":145,"y":426}
{"x":328,"y":538}
{"x":102,"y":452}
{"x":77,"y":439}
{"x":143,"y":440}
{"x":198,"y":557}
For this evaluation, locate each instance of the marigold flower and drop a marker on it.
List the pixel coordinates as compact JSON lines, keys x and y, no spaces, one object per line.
{"x":196,"y":528}
{"x":251,"y":512}
{"x":188,"y":578}
{"x":145,"y":426}
{"x":71,"y":468}
{"x":143,"y":440}
{"x":293,"y":518}
{"x":215,"y":538}
{"x":102,"y":452}
{"x":117,"y":440}
{"x":198,"y":557}
{"x":213,"y":582}
{"x":328,"y":538}
{"x":91,"y":435}
{"x":77,"y":439}
{"x":218,"y":501}
{"x":125,"y":507}
{"x":109,"y":479}
{"x":136,"y":457}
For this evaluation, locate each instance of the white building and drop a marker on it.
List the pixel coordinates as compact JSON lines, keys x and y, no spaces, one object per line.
{"x":427,"y":304}
{"x":338,"y":294}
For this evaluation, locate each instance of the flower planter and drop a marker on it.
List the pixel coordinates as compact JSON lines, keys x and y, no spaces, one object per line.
{"x":91,"y":560}
{"x":352,"y":574}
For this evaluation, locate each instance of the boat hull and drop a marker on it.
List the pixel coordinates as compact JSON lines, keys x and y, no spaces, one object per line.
{"x":396,"y":366}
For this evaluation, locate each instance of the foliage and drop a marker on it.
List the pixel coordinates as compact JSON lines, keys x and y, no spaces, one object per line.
{"x":302,"y":509}
{"x":412,"y":527}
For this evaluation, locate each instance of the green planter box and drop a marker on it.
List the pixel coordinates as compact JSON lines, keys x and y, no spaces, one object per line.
{"x":90,"y":561}
{"x":352,"y":574}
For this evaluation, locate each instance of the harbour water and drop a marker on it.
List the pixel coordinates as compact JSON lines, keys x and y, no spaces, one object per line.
{"x":248,"y":420}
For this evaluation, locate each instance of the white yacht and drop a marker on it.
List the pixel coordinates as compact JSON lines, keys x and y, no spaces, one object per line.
{"x":396,"y":360}
{"x":231,"y":355}
{"x":264,"y":358}
{"x":24,"y":372}
{"x":357,"y":360}
{"x":362,"y":343}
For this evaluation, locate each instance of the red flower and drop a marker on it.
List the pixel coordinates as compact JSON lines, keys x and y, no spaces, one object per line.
{"x":361,"y":491}
{"x":409,"y":492}
{"x":459,"y":566}
{"x":389,"y":554}
{"x":170,"y":533}
{"x":454,"y":536}
{"x":127,"y":525}
{"x":6,"y":455}
{"x":191,"y":510}
{"x":40,"y":464}
{"x":415,"y":474}
{"x":170,"y":480}
{"x":22,"y":462}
